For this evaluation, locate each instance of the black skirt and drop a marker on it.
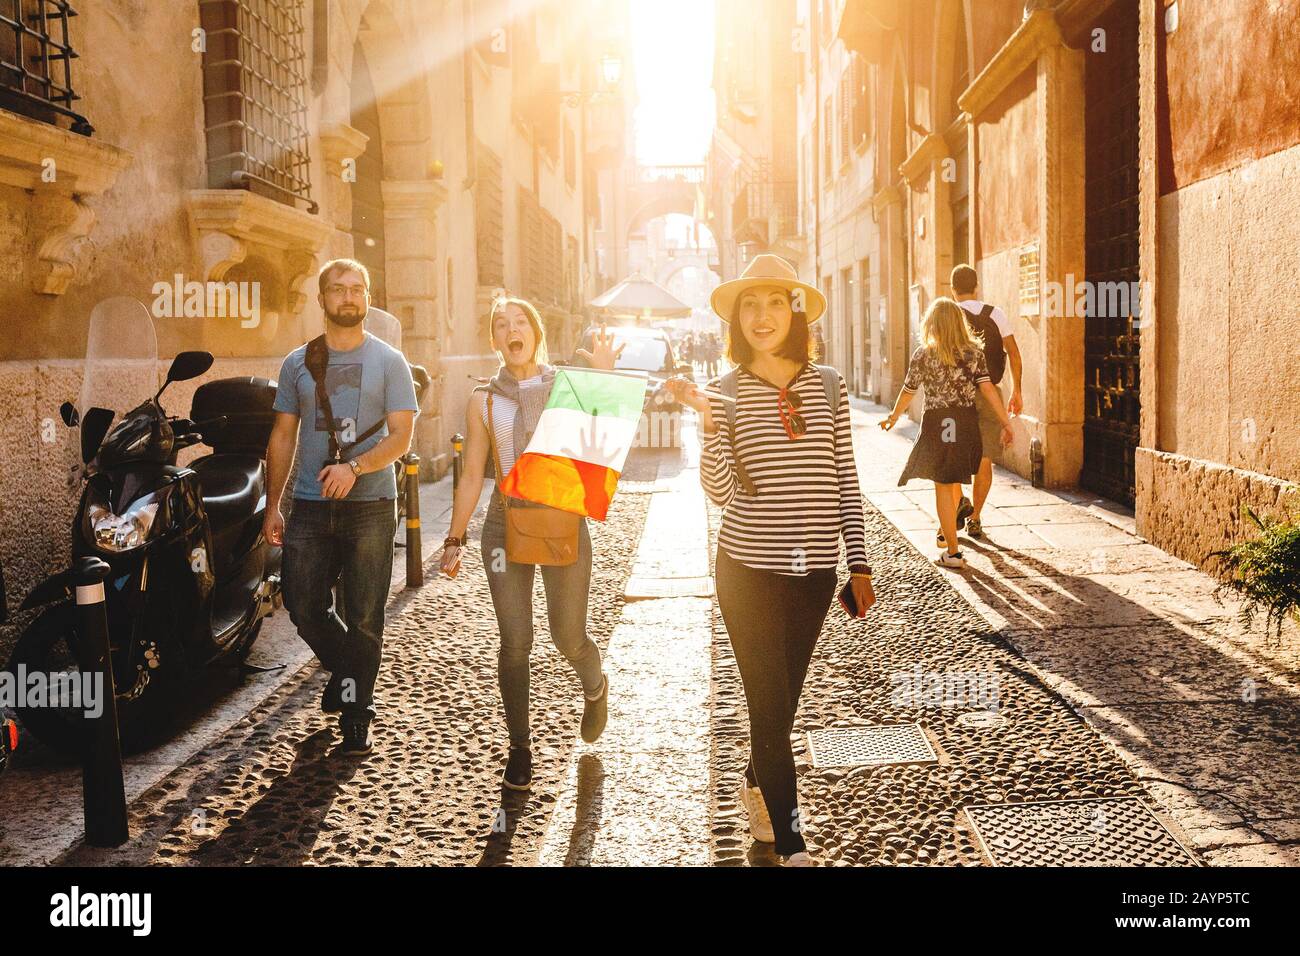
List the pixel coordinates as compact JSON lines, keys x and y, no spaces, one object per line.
{"x":949,"y":449}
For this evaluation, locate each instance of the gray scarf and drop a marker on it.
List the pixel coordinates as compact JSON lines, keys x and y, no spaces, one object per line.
{"x":530,"y":399}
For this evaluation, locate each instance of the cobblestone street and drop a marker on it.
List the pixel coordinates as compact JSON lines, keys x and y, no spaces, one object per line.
{"x":660,"y":787}
{"x":271,"y":793}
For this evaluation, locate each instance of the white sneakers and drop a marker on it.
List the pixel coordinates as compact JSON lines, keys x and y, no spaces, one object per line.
{"x":760,"y":824}
{"x":946,"y":560}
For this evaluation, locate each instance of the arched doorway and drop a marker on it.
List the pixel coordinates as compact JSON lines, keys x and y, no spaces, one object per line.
{"x":367,"y":192}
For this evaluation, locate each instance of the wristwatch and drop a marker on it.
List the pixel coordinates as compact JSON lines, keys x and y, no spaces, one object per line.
{"x":355,"y":466}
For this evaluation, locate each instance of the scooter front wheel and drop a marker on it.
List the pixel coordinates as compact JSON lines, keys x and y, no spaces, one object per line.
{"x":48,"y":647}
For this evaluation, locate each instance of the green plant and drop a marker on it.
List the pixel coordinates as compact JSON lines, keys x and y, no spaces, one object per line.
{"x":1265,"y":571}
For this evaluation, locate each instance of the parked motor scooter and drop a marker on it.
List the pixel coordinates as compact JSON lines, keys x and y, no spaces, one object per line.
{"x":8,"y":726}
{"x":192,"y":577}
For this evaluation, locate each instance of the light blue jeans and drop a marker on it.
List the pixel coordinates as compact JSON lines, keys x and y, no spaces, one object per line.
{"x":567,"y":588}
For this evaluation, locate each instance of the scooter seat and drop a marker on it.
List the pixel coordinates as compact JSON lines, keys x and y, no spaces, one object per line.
{"x":231,"y":486}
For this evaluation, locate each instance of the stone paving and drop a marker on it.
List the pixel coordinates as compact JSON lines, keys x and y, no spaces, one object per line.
{"x":909,"y":814}
{"x":1088,"y":707}
{"x":272,"y":793}
{"x":1204,"y":709}
{"x":639,"y":795}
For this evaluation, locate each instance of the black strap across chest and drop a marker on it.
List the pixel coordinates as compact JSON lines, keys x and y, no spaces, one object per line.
{"x":317,"y":361}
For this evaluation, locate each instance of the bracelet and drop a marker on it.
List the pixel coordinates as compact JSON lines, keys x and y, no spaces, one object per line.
{"x":453,"y":542}
{"x":861,"y":574}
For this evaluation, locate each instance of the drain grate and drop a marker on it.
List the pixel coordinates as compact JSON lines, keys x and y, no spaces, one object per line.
{"x":870,"y":746}
{"x":1101,"y":831}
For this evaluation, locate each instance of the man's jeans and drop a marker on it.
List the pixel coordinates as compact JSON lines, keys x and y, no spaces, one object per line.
{"x":511,"y":584}
{"x":325,"y":541}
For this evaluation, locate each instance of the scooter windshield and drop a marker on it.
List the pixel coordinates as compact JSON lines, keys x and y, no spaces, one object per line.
{"x":384,"y":325}
{"x":121,"y":368}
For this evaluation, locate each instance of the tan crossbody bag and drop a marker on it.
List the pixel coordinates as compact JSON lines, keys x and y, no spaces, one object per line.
{"x":537,"y":535}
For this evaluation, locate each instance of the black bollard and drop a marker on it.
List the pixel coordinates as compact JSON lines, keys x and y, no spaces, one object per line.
{"x":414,"y":561}
{"x":103,"y":791}
{"x":457,"y":459}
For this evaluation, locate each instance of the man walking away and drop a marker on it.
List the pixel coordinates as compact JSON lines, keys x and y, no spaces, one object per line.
{"x":1000,"y":348}
{"x":345,"y":402}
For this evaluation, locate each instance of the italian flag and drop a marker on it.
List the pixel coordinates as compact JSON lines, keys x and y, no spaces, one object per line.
{"x":573,"y":460}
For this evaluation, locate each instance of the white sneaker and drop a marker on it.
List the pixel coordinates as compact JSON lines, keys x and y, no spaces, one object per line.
{"x":946,"y":560}
{"x":798,"y":859}
{"x":760,"y":824}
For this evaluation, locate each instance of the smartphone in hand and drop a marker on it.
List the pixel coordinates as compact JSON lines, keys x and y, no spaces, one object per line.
{"x":451,"y":567}
{"x":848,"y":601}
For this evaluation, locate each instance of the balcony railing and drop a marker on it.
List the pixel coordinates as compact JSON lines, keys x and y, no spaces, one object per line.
{"x":659,"y":174}
{"x":764,"y":212}
{"x":36,"y":61}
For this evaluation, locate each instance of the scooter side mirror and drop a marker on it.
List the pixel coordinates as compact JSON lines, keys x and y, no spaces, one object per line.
{"x":68,"y":412}
{"x":188,"y":365}
{"x":93,"y":429}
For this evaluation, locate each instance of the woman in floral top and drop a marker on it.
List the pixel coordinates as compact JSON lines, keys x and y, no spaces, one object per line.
{"x":950,"y":366}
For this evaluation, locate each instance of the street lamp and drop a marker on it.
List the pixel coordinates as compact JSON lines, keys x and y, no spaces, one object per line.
{"x":611,"y":70}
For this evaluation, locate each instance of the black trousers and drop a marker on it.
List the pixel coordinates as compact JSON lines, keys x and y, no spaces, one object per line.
{"x":773,"y":621}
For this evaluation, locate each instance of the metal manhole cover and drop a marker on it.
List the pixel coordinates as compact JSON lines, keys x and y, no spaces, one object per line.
{"x":1094,"y":831}
{"x":982,"y":719}
{"x":870,"y":746}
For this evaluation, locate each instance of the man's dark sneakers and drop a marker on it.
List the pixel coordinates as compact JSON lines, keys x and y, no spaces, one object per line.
{"x":331,"y":701}
{"x":595,"y":713}
{"x":356,"y":733}
{"x":519,"y":769}
{"x":964,"y":510}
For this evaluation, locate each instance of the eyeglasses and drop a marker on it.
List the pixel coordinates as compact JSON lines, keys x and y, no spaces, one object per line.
{"x":795,"y":426}
{"x":359,"y":291}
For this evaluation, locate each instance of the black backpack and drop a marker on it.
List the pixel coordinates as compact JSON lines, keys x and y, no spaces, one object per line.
{"x":994,"y":354}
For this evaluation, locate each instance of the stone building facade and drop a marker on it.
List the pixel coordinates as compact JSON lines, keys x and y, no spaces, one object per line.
{"x":751,"y":186}
{"x":1117,"y":171}
{"x":442,"y":143}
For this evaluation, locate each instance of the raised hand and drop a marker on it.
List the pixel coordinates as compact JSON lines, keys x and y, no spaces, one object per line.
{"x":603,"y":355}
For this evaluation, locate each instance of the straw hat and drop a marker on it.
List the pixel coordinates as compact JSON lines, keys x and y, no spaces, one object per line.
{"x":766,"y":269}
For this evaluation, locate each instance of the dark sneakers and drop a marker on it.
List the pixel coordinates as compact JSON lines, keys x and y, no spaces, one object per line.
{"x":595,"y":713}
{"x":331,"y":701}
{"x":356,"y":733}
{"x":964,"y":510}
{"x":519,"y":769}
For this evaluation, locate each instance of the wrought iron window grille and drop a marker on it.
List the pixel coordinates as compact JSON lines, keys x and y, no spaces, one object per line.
{"x":36,"y":57}
{"x":254,"y":78}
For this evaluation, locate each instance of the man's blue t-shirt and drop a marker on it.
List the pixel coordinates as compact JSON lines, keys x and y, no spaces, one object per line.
{"x":364,"y":384}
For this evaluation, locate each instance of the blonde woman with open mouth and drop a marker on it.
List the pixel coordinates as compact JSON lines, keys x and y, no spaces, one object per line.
{"x":513,"y":401}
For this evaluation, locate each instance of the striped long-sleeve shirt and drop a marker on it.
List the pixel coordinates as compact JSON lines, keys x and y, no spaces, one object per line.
{"x":808,"y":493}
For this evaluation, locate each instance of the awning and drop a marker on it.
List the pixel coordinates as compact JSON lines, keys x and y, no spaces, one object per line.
{"x":638,"y":295}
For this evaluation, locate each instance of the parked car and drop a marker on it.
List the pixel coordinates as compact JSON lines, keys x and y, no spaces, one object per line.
{"x":647,"y":350}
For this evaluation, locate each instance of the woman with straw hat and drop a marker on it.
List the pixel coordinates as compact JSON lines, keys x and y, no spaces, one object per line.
{"x":777,"y":456}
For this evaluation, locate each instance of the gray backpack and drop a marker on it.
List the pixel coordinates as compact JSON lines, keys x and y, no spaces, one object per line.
{"x":729,"y":384}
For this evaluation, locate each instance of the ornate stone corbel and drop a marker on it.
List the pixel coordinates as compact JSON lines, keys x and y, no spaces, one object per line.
{"x":61,"y":170}
{"x":230,"y":225}
{"x":299,"y":266}
{"x":65,"y":221}
{"x":219,"y":252}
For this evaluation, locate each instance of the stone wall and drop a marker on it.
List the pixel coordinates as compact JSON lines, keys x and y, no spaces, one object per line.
{"x":1192,"y":508}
